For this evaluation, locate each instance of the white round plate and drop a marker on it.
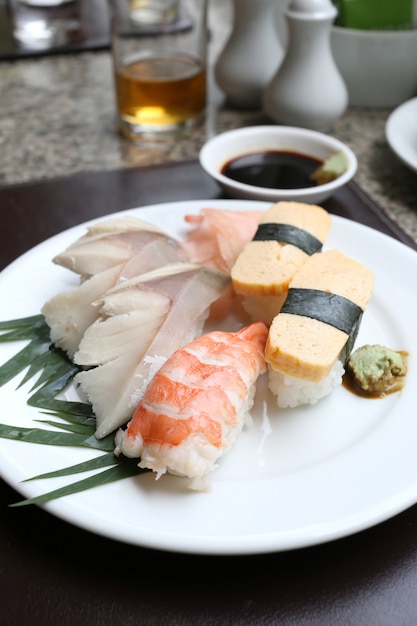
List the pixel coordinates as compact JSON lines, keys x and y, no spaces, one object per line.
{"x":401,"y":132}
{"x":295,"y":478}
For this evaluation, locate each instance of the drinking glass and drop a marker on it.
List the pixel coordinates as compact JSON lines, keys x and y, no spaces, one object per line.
{"x":154,"y":11}
{"x":43,"y":24}
{"x":159,"y":69}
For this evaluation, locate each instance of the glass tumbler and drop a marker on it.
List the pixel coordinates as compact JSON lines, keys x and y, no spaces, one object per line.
{"x":44,"y":24}
{"x":159,"y":69}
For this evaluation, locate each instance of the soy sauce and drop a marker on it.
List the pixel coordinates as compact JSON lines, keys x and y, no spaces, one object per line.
{"x":273,"y":169}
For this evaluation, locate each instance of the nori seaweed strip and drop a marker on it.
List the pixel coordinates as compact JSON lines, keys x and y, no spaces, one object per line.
{"x":326,"y":307}
{"x":287,"y":233}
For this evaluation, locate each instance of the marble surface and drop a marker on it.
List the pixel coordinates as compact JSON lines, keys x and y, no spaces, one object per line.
{"x":57,"y":118}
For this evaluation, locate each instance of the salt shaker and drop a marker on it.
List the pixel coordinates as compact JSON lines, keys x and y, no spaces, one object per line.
{"x":251,"y":55}
{"x":307,"y":90}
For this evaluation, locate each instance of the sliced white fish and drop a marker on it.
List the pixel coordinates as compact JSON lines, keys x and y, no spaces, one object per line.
{"x":70,"y":313}
{"x":103,"y":258}
{"x":148,"y":317}
{"x":115,"y":241}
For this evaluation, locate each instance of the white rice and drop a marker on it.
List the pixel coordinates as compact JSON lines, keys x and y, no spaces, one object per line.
{"x":292,"y":392}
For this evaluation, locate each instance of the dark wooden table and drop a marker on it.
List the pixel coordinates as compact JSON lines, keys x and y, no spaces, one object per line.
{"x":52,"y":573}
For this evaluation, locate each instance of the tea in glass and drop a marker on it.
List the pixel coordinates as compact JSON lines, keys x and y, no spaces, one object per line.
{"x":160,"y":79}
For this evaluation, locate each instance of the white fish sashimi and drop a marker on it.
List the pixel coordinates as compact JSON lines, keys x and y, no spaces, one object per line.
{"x":172,"y":304}
{"x":113,"y":242}
{"x":118,"y":342}
{"x":156,"y":252}
{"x":120,"y":224}
{"x":127,"y":320}
{"x":69,"y":314}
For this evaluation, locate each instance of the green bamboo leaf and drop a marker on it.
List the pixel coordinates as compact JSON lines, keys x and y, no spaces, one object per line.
{"x":92,"y":464}
{"x":107,"y":443}
{"x":118,"y":472}
{"x":21,"y":360}
{"x":51,"y":365}
{"x":81,"y":429}
{"x":22,"y":322}
{"x":33,"y":328}
{"x":18,"y":334}
{"x":54,"y":438}
{"x":70,"y":418}
{"x":44,"y":398}
{"x":24,"y":328}
{"x":53,"y":372}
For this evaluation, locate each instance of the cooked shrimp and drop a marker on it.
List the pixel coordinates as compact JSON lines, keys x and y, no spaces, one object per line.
{"x":197,"y":404}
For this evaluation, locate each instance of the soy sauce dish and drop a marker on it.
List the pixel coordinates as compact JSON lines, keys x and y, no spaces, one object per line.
{"x":274,"y":163}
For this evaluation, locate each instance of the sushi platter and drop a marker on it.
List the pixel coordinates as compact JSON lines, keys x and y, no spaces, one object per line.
{"x":295,"y":478}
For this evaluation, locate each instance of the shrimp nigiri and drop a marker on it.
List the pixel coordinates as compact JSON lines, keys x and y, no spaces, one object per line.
{"x":197,"y":404}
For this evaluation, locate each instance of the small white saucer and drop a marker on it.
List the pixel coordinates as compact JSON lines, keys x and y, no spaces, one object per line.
{"x":252,"y":139}
{"x":401,"y":132}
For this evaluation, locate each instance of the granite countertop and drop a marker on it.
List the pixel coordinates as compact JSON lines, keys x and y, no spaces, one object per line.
{"x":57,"y":117}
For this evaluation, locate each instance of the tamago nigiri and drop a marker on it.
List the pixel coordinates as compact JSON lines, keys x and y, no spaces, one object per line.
{"x":311,"y":337}
{"x":197,"y":404}
{"x":288,"y":233}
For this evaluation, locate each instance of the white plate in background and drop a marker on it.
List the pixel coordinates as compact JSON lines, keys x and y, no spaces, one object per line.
{"x":401,"y":132}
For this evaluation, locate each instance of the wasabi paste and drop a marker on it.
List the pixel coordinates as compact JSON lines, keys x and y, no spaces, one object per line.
{"x":375,"y":370}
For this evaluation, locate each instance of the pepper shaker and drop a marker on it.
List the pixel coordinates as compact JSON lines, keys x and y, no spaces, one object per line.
{"x":307,"y":90}
{"x":251,"y":54}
